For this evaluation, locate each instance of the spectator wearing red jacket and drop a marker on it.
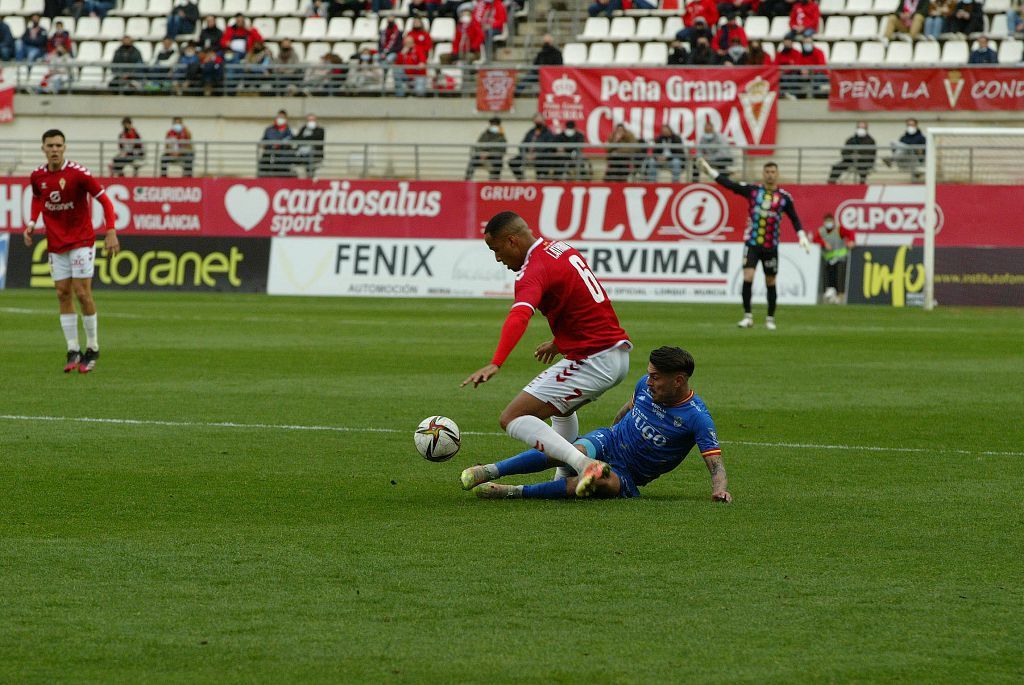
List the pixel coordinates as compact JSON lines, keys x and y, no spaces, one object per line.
{"x":700,"y":8}
{"x":239,"y":39}
{"x":59,"y":37}
{"x":491,"y":16}
{"x":804,"y":18}
{"x":758,"y":57}
{"x":469,"y":38}
{"x":742,"y":8}
{"x":788,"y":54}
{"x":410,"y":67}
{"x":424,"y":43}
{"x":728,"y":34}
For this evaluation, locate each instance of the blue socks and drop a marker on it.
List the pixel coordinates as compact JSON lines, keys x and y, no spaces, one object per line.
{"x":531,"y":461}
{"x":552,"y":489}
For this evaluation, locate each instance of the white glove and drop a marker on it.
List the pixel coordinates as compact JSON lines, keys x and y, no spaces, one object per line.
{"x":707,"y":168}
{"x":804,"y":242}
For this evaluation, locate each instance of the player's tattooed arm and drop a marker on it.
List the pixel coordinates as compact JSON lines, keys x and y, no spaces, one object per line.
{"x":626,"y":408}
{"x":719,"y":479}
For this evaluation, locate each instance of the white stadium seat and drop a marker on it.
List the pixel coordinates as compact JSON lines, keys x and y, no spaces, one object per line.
{"x":926,"y":53}
{"x":313,"y":29}
{"x":214,"y":7}
{"x":111,"y":28}
{"x":316,"y":50}
{"x":441,"y":29}
{"x":233,"y":7}
{"x":855,"y":8}
{"x":828,"y":7}
{"x":998,"y":28}
{"x":885,"y":7}
{"x":601,"y":53}
{"x":89,"y":51}
{"x":30,"y":7}
{"x":288,"y":27}
{"x":17,"y":26}
{"x":595,"y":28}
{"x":365,"y":29}
{"x":627,"y":54}
{"x":158,"y":8}
{"x":137,"y":27}
{"x":439,"y":49}
{"x":145,"y":49}
{"x":844,"y":52}
{"x":574,"y":54}
{"x":91,"y":77}
{"x":996,"y":6}
{"x":899,"y":53}
{"x":864,"y":28}
{"x":837,"y":27}
{"x":954,"y":52}
{"x":756,"y":27}
{"x":654,"y":54}
{"x":109,"y":49}
{"x":346,"y":50}
{"x":285,"y":8}
{"x":673,"y":25}
{"x":1011,"y":52}
{"x":779,"y":28}
{"x":825,"y":49}
{"x":10,"y":7}
{"x":621,"y":28}
{"x":88,"y":28}
{"x":266,"y":26}
{"x":157,"y":28}
{"x":648,"y":28}
{"x":871,"y":52}
{"x":339,"y":28}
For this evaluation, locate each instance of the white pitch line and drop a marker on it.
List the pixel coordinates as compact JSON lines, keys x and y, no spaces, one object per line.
{"x":349,"y":429}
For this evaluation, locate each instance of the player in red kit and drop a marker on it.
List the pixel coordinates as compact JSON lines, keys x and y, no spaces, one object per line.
{"x":553,"y":277}
{"x":60,"y":194}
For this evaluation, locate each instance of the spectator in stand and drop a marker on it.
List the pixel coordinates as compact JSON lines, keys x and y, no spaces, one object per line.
{"x":338,"y":8}
{"x":835,"y":244}
{"x":908,"y":20}
{"x":310,"y":151}
{"x":389,"y":43}
{"x":256,"y":65}
{"x":491,"y":16}
{"x":740,"y":8}
{"x":604,"y":7}
{"x":183,"y":18}
{"x":804,"y":18}
{"x":424,"y":8}
{"x":548,"y":55}
{"x":210,"y":72}
{"x":859,"y":152}
{"x":8,"y":48}
{"x":378,"y":6}
{"x":287,"y":72}
{"x":983,"y":54}
{"x":622,"y":151}
{"x":908,"y":151}
{"x":421,"y":37}
{"x":178,"y":149}
{"x":702,"y":53}
{"x":737,"y":54}
{"x":729,"y":32}
{"x":937,"y":21}
{"x":815,"y":81}
{"x":89,"y":8}
{"x":318,"y":8}
{"x":59,"y":36}
{"x":678,"y":55}
{"x":59,"y":74}
{"x":573,"y":165}
{"x":714,"y":148}
{"x":186,"y":66}
{"x":126,"y":75}
{"x":469,"y":39}
{"x":757,"y":56}
{"x":329,"y":78}
{"x":276,"y":151}
{"x":694,"y":33}
{"x":410,"y":67}
{"x":967,"y":18}
{"x":210,"y":36}
{"x":365,"y":71}
{"x":130,"y":148}
{"x":667,"y":153}
{"x":788,"y":54}
{"x":33,"y":41}
{"x":489,"y":151}
{"x":1014,"y":21}
{"x":165,"y":61}
{"x":540,"y":158}
{"x":239,"y":39}
{"x":775,"y":8}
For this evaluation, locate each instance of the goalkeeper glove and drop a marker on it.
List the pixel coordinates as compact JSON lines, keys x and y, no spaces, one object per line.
{"x":804,"y":242}
{"x":707,"y":168}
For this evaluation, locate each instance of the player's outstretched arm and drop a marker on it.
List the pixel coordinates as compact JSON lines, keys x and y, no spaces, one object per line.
{"x":515,"y":326}
{"x":719,"y":480}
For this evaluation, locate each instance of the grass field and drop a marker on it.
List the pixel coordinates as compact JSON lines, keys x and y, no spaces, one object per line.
{"x":876,"y":457}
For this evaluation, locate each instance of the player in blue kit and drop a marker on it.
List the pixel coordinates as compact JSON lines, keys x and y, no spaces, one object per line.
{"x":651,"y":435}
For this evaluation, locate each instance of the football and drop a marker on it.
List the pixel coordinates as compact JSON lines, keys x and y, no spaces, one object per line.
{"x":437,"y":438}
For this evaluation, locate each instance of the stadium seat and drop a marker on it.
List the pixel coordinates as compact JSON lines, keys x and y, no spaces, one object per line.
{"x":109,"y":49}
{"x":8,"y":7}
{"x":383,"y":21}
{"x":266,"y":26}
{"x":756,"y":27}
{"x":137,"y":27}
{"x":648,"y":28}
{"x":214,"y":7}
{"x":145,"y":49}
{"x":885,"y":7}
{"x":998,"y":28}
{"x":779,"y":28}
{"x":601,"y":53}
{"x":17,"y":25}
{"x":30,"y":7}
{"x":111,"y":28}
{"x":155,"y":8}
{"x":621,"y":28}
{"x":769,"y":48}
{"x":871,"y":52}
{"x":855,"y":8}
{"x":673,"y":25}
{"x":346,"y":50}
{"x":837,"y":27}
{"x":596,"y":28}
{"x":864,"y":28}
{"x":89,"y":51}
{"x":829,"y":7}
{"x":88,"y":28}
{"x":339,"y":28}
{"x":996,"y":6}
{"x":365,"y":29}
{"x":825,"y":49}
{"x":313,"y":29}
{"x":233,"y":7}
{"x":926,"y":53}
{"x":288,"y":27}
{"x":314,"y":51}
{"x":157,"y":28}
{"x":844,"y":52}
{"x":954,"y":52}
{"x":1011,"y":51}
{"x":261,"y":8}
{"x":899,"y":53}
{"x":439,"y":49}
{"x":285,"y":8}
{"x":91,"y":77}
{"x":442,"y":29}
{"x":654,"y":54}
{"x":574,"y":54}
{"x":627,"y":54}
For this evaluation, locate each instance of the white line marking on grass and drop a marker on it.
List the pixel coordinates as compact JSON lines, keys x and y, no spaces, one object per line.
{"x":350,"y":429}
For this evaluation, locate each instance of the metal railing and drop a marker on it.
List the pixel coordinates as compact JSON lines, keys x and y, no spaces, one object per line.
{"x":510,"y":162}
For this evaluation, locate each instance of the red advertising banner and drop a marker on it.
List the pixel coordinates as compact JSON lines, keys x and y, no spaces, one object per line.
{"x":741,"y":102}
{"x":973,"y":89}
{"x":6,"y":105}
{"x":642,"y":212}
{"x":495,"y":90}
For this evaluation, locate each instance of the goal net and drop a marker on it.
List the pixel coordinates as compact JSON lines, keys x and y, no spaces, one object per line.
{"x":972,"y":156}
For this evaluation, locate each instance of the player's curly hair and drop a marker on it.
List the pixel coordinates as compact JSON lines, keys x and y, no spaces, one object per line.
{"x":672,"y":360}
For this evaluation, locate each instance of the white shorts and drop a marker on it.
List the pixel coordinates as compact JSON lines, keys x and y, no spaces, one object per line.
{"x":76,"y":263}
{"x":569,"y":385}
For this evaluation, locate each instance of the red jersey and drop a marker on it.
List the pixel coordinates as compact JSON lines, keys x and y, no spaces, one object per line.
{"x":62,"y":197}
{"x":556,"y":280}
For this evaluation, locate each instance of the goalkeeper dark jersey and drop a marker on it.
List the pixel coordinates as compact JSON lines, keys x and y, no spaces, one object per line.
{"x":766,"y":208}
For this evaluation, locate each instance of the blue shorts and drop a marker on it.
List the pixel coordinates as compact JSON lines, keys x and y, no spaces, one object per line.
{"x":599,"y":446}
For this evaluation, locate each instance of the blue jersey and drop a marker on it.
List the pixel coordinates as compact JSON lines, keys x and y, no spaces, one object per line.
{"x":653,"y":439}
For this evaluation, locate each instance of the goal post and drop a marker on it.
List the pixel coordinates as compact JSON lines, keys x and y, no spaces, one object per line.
{"x":961,"y":154}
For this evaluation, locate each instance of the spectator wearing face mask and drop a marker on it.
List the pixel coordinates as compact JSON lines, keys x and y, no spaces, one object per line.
{"x":548,"y":55}
{"x":692,"y":34}
{"x":714,"y":148}
{"x":276,"y":151}
{"x":757,"y":56}
{"x":702,"y":53}
{"x":410,"y":67}
{"x":489,"y":151}
{"x":859,"y":152}
{"x":468,"y":41}
{"x":309,"y":152}
{"x":389,"y":44}
{"x":814,"y":81}
{"x":667,"y":152}
{"x":730,"y":33}
{"x":678,"y":55}
{"x":178,"y":149}
{"x":737,"y":55}
{"x":421,"y":37}
{"x":908,"y":151}
{"x":571,"y":164}
{"x":540,"y":158}
{"x":983,"y":54}
{"x":835,"y":242}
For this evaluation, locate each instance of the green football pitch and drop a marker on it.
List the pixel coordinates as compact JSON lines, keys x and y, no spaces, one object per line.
{"x":233,"y":496}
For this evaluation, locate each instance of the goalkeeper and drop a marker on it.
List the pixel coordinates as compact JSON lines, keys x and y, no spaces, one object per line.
{"x":767,"y":203}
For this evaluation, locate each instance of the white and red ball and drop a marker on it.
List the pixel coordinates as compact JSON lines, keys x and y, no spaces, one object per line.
{"x":437,"y":438}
